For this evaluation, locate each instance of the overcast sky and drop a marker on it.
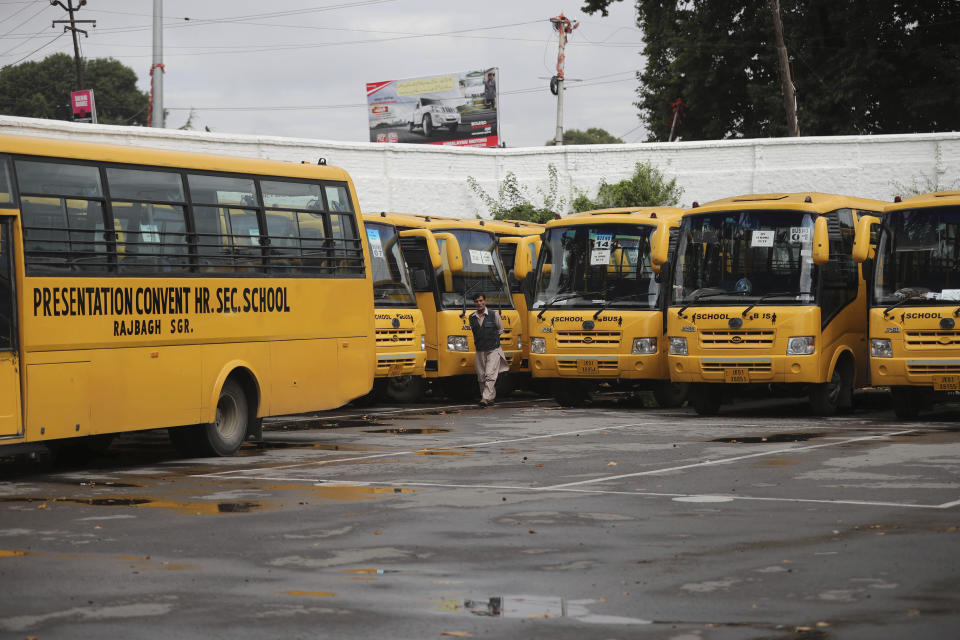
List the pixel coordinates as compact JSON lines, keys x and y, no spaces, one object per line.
{"x":299,"y":67}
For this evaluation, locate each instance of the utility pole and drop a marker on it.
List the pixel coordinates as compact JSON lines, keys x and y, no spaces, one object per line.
{"x":786,"y":81}
{"x":563,"y":26}
{"x":155,"y":114}
{"x":69,"y":8}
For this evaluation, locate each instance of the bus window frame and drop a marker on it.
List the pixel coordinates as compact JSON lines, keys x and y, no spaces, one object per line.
{"x":7,"y":223}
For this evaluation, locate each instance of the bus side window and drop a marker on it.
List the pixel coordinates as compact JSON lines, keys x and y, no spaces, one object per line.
{"x":840,"y":277}
{"x":348,"y":250}
{"x":284,"y":240}
{"x":225,"y":223}
{"x":313,"y":240}
{"x":6,"y":184}
{"x":6,"y":288}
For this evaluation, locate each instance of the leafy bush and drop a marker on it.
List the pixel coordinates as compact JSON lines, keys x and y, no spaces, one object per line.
{"x":513,"y":201}
{"x":646,"y":188}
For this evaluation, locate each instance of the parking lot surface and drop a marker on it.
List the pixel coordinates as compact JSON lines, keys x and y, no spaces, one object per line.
{"x":522,"y":521}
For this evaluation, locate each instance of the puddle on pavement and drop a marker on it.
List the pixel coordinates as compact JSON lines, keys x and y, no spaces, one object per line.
{"x":443,"y":452}
{"x":259,"y":448}
{"x":535,"y":607}
{"x":199,"y":508}
{"x":327,"y":423}
{"x":406,"y":432}
{"x":776,"y":437}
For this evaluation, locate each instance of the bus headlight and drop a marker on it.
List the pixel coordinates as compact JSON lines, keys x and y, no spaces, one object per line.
{"x":457,"y":343}
{"x":800,"y":346}
{"x":881,"y":348}
{"x":678,"y":346}
{"x":423,"y":342}
{"x":644,"y":346}
{"x":538,"y":345}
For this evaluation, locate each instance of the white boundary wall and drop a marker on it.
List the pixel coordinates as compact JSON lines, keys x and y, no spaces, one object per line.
{"x":433,"y":179}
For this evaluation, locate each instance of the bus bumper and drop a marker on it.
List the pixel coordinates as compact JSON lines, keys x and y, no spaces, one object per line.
{"x":599,"y":366}
{"x":942,"y":374}
{"x":392,"y":365}
{"x":757,"y":369}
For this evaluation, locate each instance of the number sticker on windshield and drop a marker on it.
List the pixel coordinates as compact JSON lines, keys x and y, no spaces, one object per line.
{"x":376,"y":247}
{"x":762,"y":239}
{"x":801,"y":235}
{"x":600,"y":254}
{"x":481,"y":257}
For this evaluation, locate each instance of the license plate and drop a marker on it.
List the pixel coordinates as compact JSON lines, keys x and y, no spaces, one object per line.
{"x":395,"y":370}
{"x":588,"y":367}
{"x":736,"y":375}
{"x":946,"y":383}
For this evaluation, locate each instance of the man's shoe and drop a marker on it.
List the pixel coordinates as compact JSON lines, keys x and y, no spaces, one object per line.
{"x":484,"y":404}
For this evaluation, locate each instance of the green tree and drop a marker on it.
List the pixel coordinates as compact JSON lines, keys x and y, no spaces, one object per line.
{"x":647,"y":187}
{"x":593,"y":135}
{"x":884,"y":66}
{"x":42,"y":90}
{"x":513,"y":201}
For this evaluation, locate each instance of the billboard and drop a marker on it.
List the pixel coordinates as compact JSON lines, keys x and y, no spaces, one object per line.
{"x":456,"y":109}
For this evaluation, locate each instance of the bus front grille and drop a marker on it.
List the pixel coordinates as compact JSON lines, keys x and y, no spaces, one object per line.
{"x":406,"y":364}
{"x":932,"y":366}
{"x":399,"y":337}
{"x":714,"y":366}
{"x":588,"y":338}
{"x":713,"y":338}
{"x":931,"y":339}
{"x":610,"y":366}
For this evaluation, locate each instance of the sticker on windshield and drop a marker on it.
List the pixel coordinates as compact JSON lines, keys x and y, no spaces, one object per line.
{"x":149,"y":233}
{"x":481,"y":257}
{"x":376,"y":247}
{"x":801,"y":235}
{"x":762,"y":239}
{"x":600,"y":254}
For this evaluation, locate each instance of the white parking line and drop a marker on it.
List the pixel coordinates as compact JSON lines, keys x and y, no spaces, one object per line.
{"x":707,"y":463}
{"x":377,"y":412}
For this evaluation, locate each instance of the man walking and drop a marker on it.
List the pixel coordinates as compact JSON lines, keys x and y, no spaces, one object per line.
{"x":490,"y":359}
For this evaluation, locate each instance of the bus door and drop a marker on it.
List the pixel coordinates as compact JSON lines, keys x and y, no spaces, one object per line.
{"x":9,"y":361}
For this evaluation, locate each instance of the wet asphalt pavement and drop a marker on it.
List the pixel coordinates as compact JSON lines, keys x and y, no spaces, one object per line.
{"x":521,"y":521}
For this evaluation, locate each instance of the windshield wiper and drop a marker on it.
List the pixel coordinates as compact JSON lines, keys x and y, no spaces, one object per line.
{"x":768,"y":296}
{"x":706,"y":292}
{"x":610,"y":301}
{"x":908,"y":294}
{"x":559,"y":298}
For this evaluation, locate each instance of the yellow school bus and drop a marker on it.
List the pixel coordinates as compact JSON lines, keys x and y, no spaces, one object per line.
{"x":914,"y":299}
{"x":765,"y":296}
{"x":401,"y":342}
{"x":450,"y":261}
{"x":597,"y":314}
{"x":142,"y":289}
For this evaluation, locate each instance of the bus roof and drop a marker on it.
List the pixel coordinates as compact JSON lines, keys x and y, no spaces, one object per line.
{"x":803,"y":201}
{"x":32,"y":146}
{"x":633,"y":215}
{"x":935,"y":199}
{"x":422,"y":221}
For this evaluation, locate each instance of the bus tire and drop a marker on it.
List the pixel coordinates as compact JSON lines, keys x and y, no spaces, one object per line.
{"x":671,"y":394}
{"x":827,"y":397}
{"x":571,"y":393}
{"x":906,"y":402}
{"x":706,"y":398}
{"x":225,"y":434}
{"x":404,"y":389}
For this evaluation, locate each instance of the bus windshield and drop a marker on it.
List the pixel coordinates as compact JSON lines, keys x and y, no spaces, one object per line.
{"x":745,"y":255}
{"x":919,"y":256}
{"x":591,"y":265}
{"x":482,"y":271}
{"x":391,"y":283}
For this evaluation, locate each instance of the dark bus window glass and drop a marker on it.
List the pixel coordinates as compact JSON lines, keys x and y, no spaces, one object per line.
{"x":55,"y":178}
{"x":228,"y":238}
{"x":221,"y":190}
{"x":6,"y":288}
{"x":62,"y":234}
{"x":337,"y":198}
{"x":137,"y":184}
{"x":291,"y":195}
{"x":6,"y":184}
{"x":150,"y":237}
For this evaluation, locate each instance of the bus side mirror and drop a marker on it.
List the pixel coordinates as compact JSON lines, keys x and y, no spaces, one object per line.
{"x":523,"y":261}
{"x":452,"y":248}
{"x":433,"y":249}
{"x":659,"y":245}
{"x":821,"y":241}
{"x":861,"y":243}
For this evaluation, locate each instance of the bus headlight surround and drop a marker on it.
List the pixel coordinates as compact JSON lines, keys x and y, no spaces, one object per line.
{"x":643,"y":346}
{"x":519,"y":341}
{"x":881,"y":348}
{"x":423,"y":342}
{"x":538,"y":345}
{"x":457,"y":343}
{"x":800,"y":346}
{"x":678,"y":346}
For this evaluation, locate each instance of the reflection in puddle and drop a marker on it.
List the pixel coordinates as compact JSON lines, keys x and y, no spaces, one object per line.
{"x":403,"y":432}
{"x":542,"y":607}
{"x":259,"y":448}
{"x":199,"y":508}
{"x":776,"y":437}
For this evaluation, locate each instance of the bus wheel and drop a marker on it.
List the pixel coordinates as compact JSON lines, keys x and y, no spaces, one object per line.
{"x":827,"y":397}
{"x":671,"y":394}
{"x":405,"y":389}
{"x":906,"y":402}
{"x":570,"y":393}
{"x":706,"y":398}
{"x":223,"y":436}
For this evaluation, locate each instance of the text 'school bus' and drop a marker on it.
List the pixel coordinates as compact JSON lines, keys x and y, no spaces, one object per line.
{"x":401,"y":342}
{"x":142,"y":289}
{"x":450,"y":261}
{"x":765,"y":296}
{"x":914,"y":299}
{"x":597,"y":314}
